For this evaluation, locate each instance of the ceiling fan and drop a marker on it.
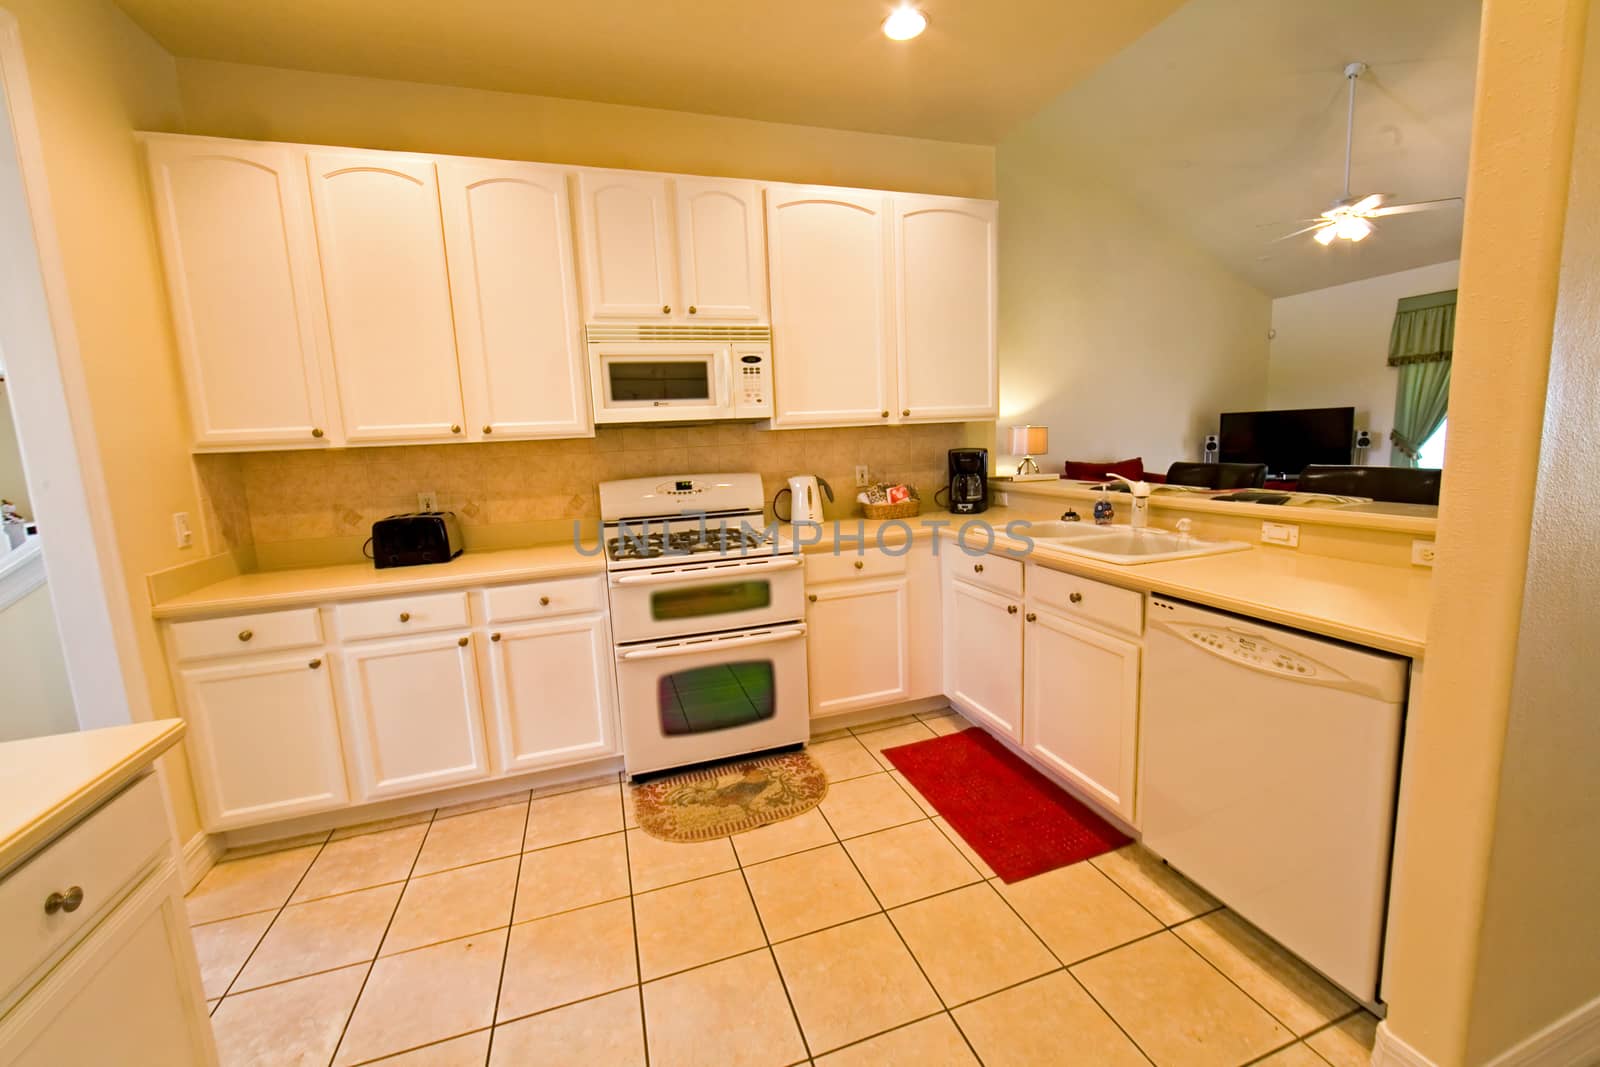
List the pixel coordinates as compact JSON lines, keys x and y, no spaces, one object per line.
{"x":1350,"y":218}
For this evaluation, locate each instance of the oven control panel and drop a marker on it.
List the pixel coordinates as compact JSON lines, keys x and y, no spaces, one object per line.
{"x":752,"y":381}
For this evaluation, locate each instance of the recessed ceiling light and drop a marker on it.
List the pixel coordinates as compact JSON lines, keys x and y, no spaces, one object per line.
{"x":904,"y":23}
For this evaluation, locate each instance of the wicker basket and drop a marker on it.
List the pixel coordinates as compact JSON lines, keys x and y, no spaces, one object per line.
{"x":903,"y":510}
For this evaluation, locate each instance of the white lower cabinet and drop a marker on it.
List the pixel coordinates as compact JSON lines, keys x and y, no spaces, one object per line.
{"x":1081,"y":707}
{"x":550,"y":691}
{"x":413,"y":714}
{"x":858,"y":644}
{"x":264,"y":736}
{"x":983,"y":655}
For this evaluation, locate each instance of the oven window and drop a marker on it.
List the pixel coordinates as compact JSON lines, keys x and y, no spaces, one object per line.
{"x":699,"y":601}
{"x":678,"y":379}
{"x":707,"y":699}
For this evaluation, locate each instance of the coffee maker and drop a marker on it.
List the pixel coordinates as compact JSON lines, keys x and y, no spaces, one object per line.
{"x":969,"y":480}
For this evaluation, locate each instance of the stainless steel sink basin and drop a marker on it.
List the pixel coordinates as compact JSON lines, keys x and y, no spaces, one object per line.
{"x":1125,"y":545}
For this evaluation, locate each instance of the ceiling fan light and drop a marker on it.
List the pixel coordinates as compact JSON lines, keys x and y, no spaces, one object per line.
{"x":1325,"y":235}
{"x":904,"y":23}
{"x":1352,"y":228}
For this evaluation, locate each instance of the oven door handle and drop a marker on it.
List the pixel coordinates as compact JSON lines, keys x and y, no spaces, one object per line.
{"x":716,"y":644}
{"x":760,"y":566}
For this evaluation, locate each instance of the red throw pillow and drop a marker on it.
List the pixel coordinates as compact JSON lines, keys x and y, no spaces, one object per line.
{"x":1096,"y":472}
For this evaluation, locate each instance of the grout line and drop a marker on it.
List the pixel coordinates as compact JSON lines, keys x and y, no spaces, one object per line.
{"x":276,"y":916}
{"x":505,"y":950}
{"x":633,"y":917}
{"x":345,"y":1029}
{"x":418,"y":1048}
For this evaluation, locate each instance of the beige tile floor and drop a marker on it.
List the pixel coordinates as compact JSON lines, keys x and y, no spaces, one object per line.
{"x":551,"y":930}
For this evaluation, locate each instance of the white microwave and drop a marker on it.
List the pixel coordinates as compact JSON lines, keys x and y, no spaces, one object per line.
{"x":680,"y":373}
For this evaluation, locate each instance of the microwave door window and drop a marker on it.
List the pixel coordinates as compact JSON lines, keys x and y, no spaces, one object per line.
{"x":647,"y":381}
{"x":719,"y":697}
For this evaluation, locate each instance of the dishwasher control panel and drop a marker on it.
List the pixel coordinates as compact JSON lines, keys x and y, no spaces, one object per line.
{"x":1253,"y":650}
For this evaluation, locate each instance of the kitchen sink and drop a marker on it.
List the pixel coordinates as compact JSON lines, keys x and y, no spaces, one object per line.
{"x":1124,"y":544}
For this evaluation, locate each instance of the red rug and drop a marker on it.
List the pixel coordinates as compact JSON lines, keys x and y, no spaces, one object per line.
{"x":1019,"y":821}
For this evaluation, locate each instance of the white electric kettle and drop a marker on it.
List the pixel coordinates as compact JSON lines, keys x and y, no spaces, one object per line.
{"x":805,"y":498}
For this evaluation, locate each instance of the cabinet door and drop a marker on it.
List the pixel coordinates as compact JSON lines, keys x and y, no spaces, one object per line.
{"x":508,"y":239}
{"x":412,"y":709}
{"x":983,"y":656}
{"x":1082,"y":709}
{"x":133,"y":984}
{"x":264,"y":738}
{"x":235,"y":229}
{"x":627,"y":245}
{"x":945,"y":290}
{"x":927,"y":652}
{"x":553,"y":693}
{"x":858,"y":647}
{"x":722,"y":253}
{"x":388,"y":292}
{"x":831,"y":319}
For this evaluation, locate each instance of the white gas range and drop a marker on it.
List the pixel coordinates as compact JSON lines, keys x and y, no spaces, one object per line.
{"x":707,"y":612}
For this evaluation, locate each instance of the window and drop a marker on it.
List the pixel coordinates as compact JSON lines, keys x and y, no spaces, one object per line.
{"x":1431,"y":454}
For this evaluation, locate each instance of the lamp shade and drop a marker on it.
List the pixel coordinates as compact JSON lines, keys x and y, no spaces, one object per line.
{"x":1030,"y":440}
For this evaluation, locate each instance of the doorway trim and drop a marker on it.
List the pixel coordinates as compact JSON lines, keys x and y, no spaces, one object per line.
{"x":55,"y":425}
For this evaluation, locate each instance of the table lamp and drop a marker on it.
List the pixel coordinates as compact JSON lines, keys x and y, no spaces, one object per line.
{"x":1026,"y":440}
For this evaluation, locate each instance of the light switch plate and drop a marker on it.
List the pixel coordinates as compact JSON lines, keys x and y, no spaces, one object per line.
{"x":1280,"y":533}
{"x":863,"y":478}
{"x":428,"y":501}
{"x":181,"y":533}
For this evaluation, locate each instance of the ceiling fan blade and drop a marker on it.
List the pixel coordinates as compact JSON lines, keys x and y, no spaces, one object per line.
{"x":1421,"y":205}
{"x":1319,"y":225}
{"x":1367,"y":205}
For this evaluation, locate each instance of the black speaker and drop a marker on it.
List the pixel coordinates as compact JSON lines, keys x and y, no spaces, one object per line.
{"x":1363,"y":438}
{"x":1211,"y":447}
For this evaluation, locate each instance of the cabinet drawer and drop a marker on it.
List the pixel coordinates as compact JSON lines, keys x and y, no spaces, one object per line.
{"x":536,"y":600}
{"x":100,"y":856}
{"x":827,"y":567}
{"x":240,"y":634}
{"x":401,"y":615}
{"x":999,"y":573}
{"x":1087,"y":600}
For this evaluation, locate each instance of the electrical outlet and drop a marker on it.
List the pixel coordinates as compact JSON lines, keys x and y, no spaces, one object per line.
{"x":1280,"y":533}
{"x":180,"y":529}
{"x":863,"y":477}
{"x":428,"y":501}
{"x":1422,"y":553}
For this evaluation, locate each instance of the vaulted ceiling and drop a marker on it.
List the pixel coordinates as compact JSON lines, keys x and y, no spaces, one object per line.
{"x":978,"y":70}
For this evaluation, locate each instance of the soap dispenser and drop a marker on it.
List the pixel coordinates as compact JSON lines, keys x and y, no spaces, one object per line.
{"x":1140,"y":491}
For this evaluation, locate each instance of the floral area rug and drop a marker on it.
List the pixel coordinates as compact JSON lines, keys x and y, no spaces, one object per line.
{"x":729,"y":798}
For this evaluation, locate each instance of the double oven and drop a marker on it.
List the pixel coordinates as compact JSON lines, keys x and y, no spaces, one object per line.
{"x":707,"y":615}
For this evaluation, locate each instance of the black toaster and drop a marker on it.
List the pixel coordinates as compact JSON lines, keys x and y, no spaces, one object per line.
{"x":420,"y":537}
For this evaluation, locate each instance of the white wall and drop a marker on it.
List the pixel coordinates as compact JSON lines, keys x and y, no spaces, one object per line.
{"x":1332,"y":345}
{"x":37,"y":699}
{"x":13,"y":483}
{"x":1117,"y":334}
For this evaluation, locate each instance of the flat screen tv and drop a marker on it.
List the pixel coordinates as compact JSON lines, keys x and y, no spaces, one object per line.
{"x":1288,"y":441}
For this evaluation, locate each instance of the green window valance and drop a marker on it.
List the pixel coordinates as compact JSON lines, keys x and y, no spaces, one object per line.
{"x":1424,"y":329}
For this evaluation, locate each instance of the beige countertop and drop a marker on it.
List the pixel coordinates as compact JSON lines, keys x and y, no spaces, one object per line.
{"x":265,"y":590}
{"x":48,"y":783}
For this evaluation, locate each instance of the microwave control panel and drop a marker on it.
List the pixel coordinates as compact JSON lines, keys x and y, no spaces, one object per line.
{"x":752,"y":381}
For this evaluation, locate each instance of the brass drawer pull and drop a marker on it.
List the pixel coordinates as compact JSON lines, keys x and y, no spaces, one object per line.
{"x":316,"y":432}
{"x":455,"y":427}
{"x":666,"y":309}
{"x":811,"y":597}
{"x":1031,"y":617}
{"x":69,"y":901}
{"x":906,"y":413}
{"x":462,"y":641}
{"x":315,"y":664}
{"x":886,"y":414}
{"x":245,"y":635}
{"x":544,"y":602}
{"x":1076,"y":598}
{"x":693,"y":309}
{"x":405,"y":616}
{"x":487,"y":430}
{"x":494,"y":637}
{"x":860,"y":564}
{"x":977,"y":568}
{"x":1011,"y":609}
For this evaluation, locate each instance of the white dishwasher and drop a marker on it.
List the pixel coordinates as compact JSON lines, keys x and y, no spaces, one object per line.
{"x":1268,"y":766}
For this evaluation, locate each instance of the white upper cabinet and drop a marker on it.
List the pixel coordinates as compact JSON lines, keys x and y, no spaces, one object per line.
{"x":508,"y":236}
{"x":946,"y":281}
{"x":235,"y":230}
{"x":388,"y":295}
{"x":627,"y":245}
{"x":722,"y":261}
{"x":832,"y":320}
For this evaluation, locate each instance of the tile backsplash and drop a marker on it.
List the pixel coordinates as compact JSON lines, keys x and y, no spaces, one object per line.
{"x":308,"y":508}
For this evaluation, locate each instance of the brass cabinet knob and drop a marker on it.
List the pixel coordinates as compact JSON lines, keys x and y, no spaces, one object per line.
{"x":1076,"y":598}
{"x":487,"y":430}
{"x":462,"y":642}
{"x":1011,"y":609}
{"x":245,"y":635}
{"x":315,"y":664}
{"x":316,"y":432}
{"x":811,"y":597}
{"x":666,"y":309}
{"x":1031,"y":617}
{"x":544,"y":602}
{"x":494,"y":637}
{"x":977,"y":568}
{"x":405,"y":616}
{"x":859,"y":564}
{"x":455,"y":427}
{"x":693,"y":309}
{"x":69,"y":901}
{"x":886,"y":414}
{"x":906,"y":413}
